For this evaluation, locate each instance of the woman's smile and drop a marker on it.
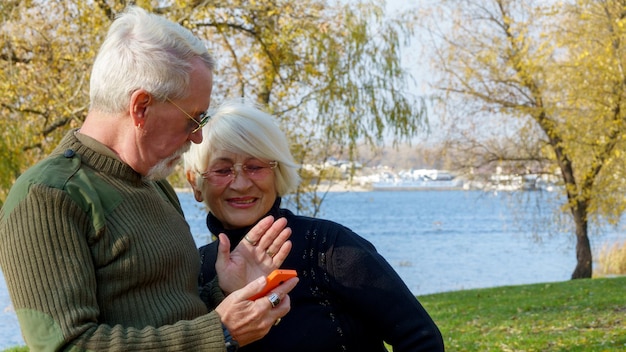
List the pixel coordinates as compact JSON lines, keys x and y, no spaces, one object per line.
{"x":238,"y":202}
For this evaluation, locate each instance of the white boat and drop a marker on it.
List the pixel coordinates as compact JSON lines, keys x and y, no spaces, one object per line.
{"x":411,"y":185}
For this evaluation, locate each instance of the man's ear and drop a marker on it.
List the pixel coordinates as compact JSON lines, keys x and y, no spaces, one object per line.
{"x":139,"y":102}
{"x":191,"y":178}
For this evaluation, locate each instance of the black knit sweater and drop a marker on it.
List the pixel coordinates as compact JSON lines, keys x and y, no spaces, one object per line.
{"x":348,"y":298}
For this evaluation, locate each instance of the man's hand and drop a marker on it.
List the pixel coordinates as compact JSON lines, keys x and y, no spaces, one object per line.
{"x":262,"y":250}
{"x":249,"y":320}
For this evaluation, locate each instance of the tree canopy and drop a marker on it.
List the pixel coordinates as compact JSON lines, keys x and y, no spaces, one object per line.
{"x":329,"y":72}
{"x":550,"y":79}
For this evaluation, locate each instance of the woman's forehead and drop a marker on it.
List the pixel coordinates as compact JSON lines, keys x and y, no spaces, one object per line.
{"x":229,"y":156}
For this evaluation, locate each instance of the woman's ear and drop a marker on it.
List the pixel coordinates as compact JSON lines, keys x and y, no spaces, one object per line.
{"x":197,"y":192}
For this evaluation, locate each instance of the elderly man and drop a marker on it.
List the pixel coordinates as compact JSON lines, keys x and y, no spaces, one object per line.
{"x":94,"y":245}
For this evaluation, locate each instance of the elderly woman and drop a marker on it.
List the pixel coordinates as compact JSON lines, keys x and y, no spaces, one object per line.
{"x":348,"y":298}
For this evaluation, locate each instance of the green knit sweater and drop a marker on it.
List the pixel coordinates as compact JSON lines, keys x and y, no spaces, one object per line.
{"x":96,"y":258}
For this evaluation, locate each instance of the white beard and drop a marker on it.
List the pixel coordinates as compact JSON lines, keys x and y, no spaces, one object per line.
{"x":166,"y":166}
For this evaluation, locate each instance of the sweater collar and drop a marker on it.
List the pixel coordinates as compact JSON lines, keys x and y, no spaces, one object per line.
{"x":91,"y":155}
{"x":235,"y":235}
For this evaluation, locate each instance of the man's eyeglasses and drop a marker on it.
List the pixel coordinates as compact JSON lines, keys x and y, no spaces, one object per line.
{"x":203,"y":118}
{"x":254,"y":170}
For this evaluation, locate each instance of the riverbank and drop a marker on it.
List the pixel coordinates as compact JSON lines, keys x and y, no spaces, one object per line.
{"x":338,"y":186}
{"x":343,"y":186}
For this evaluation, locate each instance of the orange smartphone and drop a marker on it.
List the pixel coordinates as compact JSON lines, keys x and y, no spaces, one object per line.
{"x":274,"y":279}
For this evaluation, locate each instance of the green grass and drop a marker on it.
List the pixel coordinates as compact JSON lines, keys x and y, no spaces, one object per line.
{"x":579,"y":315}
{"x":574,"y":316}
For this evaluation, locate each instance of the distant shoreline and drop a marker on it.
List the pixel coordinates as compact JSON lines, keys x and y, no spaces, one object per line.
{"x":345,"y":187}
{"x":335,"y":187}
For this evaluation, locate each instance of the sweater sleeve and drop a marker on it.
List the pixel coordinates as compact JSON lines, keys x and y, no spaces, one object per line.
{"x":211,"y":293}
{"x":49,"y":269}
{"x":370,"y":287}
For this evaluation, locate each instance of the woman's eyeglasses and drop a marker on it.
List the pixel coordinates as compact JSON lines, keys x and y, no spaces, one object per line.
{"x":254,"y":170}
{"x":202,"y":120}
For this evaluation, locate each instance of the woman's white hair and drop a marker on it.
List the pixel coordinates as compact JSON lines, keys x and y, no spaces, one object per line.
{"x":241,"y":127}
{"x":144,"y":51}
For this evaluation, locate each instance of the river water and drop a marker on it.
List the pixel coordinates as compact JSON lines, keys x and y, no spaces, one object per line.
{"x":437,"y":241}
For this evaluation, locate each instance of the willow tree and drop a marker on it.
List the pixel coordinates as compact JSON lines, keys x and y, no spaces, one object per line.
{"x":330,"y":72}
{"x":553,"y":78}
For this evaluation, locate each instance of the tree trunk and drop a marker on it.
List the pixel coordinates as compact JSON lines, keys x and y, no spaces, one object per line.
{"x":583,"y":248}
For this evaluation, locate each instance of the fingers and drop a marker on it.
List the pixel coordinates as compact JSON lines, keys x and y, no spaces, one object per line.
{"x":281,"y":255}
{"x":264,"y":248}
{"x":274,"y":299}
{"x":248,"y":320}
{"x":255,"y":234}
{"x":272,"y":233}
{"x":274,"y":247}
{"x":252,"y":288}
{"x":258,"y":320}
{"x":281,"y":292}
{"x":269,"y":238}
{"x":257,"y":286}
{"x":223,"y":252}
{"x":279,"y":311}
{"x":268,"y":234}
{"x":279,"y":301}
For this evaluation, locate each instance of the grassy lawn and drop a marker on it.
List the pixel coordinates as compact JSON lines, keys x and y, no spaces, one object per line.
{"x":573,"y":316}
{"x":579,"y":315}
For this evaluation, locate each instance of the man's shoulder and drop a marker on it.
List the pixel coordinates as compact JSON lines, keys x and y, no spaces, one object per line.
{"x":54,"y":171}
{"x":64,"y":171}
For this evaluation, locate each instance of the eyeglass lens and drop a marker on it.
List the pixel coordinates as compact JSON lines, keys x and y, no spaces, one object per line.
{"x":254,"y":170}
{"x":203,"y":118}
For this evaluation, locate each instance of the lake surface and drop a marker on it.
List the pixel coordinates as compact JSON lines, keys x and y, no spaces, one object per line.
{"x":437,"y":241}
